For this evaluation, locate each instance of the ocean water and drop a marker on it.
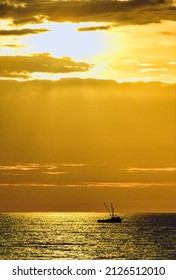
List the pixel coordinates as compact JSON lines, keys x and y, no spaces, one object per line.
{"x":79,"y":236}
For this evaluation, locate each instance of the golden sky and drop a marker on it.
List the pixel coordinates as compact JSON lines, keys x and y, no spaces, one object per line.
{"x":87,"y":105}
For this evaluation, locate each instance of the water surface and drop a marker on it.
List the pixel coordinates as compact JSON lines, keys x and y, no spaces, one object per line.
{"x":79,"y":236}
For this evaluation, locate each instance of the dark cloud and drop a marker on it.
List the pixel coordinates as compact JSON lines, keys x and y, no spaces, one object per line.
{"x":121,"y":12}
{"x":12,"y":66}
{"x":21,"y":32}
{"x":95,"y":28}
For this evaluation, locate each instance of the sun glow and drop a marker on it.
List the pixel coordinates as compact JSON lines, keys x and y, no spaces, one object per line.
{"x":64,"y":39}
{"x":112,"y":50}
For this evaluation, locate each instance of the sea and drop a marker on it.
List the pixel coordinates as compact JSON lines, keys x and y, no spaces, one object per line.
{"x":78,"y":236}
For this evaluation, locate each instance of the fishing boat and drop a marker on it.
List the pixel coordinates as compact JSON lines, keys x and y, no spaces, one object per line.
{"x":113,"y":218}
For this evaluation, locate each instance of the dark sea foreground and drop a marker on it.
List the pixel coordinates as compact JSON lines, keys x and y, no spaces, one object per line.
{"x":78,"y":236}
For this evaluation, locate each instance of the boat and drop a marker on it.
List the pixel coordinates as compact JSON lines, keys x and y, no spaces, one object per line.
{"x":113,"y":218}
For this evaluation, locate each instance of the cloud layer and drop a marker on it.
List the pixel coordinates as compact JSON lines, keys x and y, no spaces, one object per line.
{"x":22,"y":66}
{"x":22,"y":32}
{"x":87,"y":120}
{"x":121,"y":12}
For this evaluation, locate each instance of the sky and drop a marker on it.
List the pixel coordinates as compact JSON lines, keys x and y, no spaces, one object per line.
{"x":87,"y":105}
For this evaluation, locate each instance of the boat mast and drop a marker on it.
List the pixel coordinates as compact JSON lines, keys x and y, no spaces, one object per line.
{"x":107,"y":209}
{"x":112,"y":208}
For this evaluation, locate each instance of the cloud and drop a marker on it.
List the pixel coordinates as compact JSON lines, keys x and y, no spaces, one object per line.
{"x":172,"y":63}
{"x":11,"y":174}
{"x":28,"y":185}
{"x":122,"y":12}
{"x":15,"y":75}
{"x":19,"y":167}
{"x":36,"y":197}
{"x":77,"y":121}
{"x":22,"y":32}
{"x":40,"y":167}
{"x":92,"y":185}
{"x":55,"y":173}
{"x":12,"y":46}
{"x":21,"y":66}
{"x":73,"y":164}
{"x":37,"y":170}
{"x":145,"y":70}
{"x":145,"y":64}
{"x":119,"y":184}
{"x":95,"y":28}
{"x":159,"y":169}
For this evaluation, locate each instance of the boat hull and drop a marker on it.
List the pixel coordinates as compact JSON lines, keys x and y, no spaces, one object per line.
{"x":118,"y":220}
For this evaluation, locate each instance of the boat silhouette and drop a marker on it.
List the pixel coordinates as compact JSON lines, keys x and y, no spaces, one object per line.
{"x":113,"y":218}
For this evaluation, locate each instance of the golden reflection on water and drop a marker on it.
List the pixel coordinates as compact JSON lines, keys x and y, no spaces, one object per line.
{"x":79,"y":236}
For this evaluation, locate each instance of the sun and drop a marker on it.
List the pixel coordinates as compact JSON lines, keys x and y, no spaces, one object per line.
{"x":64,"y":39}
